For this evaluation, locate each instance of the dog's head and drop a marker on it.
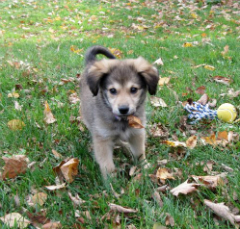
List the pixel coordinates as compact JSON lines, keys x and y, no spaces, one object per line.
{"x":123,"y":83}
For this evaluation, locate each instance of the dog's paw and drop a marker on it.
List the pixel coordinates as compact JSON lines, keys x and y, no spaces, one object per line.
{"x":108,"y":170}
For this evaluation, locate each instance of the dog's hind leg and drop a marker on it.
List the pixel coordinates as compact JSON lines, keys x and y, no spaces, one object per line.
{"x":103,"y":151}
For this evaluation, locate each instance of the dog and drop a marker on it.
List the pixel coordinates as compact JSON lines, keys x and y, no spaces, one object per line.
{"x":110,"y":91}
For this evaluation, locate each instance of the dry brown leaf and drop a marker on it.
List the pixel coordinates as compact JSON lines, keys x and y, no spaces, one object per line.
{"x":39,"y":198}
{"x":157,"y":102}
{"x":169,"y":221}
{"x":159,"y":62}
{"x":74,"y":98}
{"x":76,"y":199}
{"x":16,"y":124}
{"x":163,"y":174}
{"x":201,"y":90}
{"x":70,"y":169}
{"x":208,"y":181}
{"x":211,"y":140}
{"x":185,"y":188}
{"x":15,"y":218}
{"x":156,"y":196}
{"x":191,"y":142}
{"x":223,"y":80}
{"x":203,"y":100}
{"x":134,"y":122}
{"x":158,"y":130}
{"x":55,"y":187}
{"x":52,"y":225}
{"x":48,"y":116}
{"x":231,"y":93}
{"x":163,"y":81}
{"x":120,"y":209}
{"x":14,"y":166}
{"x":56,"y":154}
{"x":221,"y":210}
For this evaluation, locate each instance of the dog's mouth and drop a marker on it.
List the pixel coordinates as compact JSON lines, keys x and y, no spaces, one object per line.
{"x":122,"y":117}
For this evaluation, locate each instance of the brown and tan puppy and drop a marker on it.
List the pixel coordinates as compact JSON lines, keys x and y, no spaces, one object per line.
{"x":110,"y":91}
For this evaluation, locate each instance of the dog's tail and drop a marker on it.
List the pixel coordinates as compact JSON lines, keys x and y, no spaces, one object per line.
{"x":94,"y":51}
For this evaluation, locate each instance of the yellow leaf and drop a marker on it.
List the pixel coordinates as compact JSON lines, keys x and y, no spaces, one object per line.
{"x":15,"y":124}
{"x":174,"y":143}
{"x":187,"y":44}
{"x":163,"y":80}
{"x":191,"y":142}
{"x":48,"y":116}
{"x":163,"y":174}
{"x":209,"y":67}
{"x":194,"y":15}
{"x":13,"y":95}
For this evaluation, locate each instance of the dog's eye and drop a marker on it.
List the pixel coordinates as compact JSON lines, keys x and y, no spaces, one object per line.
{"x":133,"y":90}
{"x":113,"y":91}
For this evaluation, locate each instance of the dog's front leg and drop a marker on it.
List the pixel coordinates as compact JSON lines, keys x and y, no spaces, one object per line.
{"x":137,"y":144}
{"x":103,"y":151}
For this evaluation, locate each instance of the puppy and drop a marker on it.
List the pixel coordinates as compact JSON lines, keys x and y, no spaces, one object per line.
{"x":110,"y":91}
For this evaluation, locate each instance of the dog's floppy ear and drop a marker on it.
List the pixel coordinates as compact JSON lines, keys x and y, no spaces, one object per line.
{"x":148,"y":72}
{"x":96,"y":72}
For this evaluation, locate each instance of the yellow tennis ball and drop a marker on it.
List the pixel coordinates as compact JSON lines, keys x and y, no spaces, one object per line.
{"x":227,"y":112}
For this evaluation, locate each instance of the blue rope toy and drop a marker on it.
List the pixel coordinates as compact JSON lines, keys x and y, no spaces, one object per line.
{"x":198,"y":112}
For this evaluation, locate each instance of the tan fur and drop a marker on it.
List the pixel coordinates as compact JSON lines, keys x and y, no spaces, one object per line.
{"x":101,"y":110}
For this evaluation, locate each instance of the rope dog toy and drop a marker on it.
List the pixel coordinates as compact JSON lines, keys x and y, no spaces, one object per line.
{"x":226,"y":112}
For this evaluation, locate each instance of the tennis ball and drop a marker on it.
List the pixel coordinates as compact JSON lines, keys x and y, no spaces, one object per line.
{"x":227,"y":112}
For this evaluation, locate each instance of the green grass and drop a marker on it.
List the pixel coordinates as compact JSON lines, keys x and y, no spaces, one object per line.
{"x":35,"y":54}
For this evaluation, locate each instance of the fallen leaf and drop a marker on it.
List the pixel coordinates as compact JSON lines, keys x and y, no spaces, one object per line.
{"x":187,"y":45}
{"x":163,"y":174}
{"x":14,"y":166}
{"x":55,"y":187}
{"x":203,"y":100}
{"x":13,"y":95}
{"x":221,"y":210}
{"x":185,"y":188}
{"x":52,"y":225}
{"x":231,"y":93}
{"x":225,"y":50}
{"x":163,"y":81}
{"x":156,"y":196}
{"x":39,"y":198}
{"x":208,"y":181}
{"x":120,"y":209}
{"x":157,"y":102}
{"x":17,"y":106}
{"x":70,"y":169}
{"x":159,"y":62}
{"x":211,"y":140}
{"x":76,"y":199}
{"x":191,"y":142}
{"x":209,"y":67}
{"x":74,"y":98}
{"x":48,"y":116}
{"x":174,"y":143}
{"x":169,"y":221}
{"x":134,"y":122}
{"x":16,"y":124}
{"x":158,"y":130}
{"x":223,"y":80}
{"x":14,"y":218}
{"x":201,"y":90}
{"x":56,"y":154}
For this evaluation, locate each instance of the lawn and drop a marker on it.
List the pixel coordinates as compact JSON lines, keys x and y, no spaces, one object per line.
{"x":42,"y":46}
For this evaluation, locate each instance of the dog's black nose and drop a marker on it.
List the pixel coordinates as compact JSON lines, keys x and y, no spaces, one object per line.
{"x":123,"y":110}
